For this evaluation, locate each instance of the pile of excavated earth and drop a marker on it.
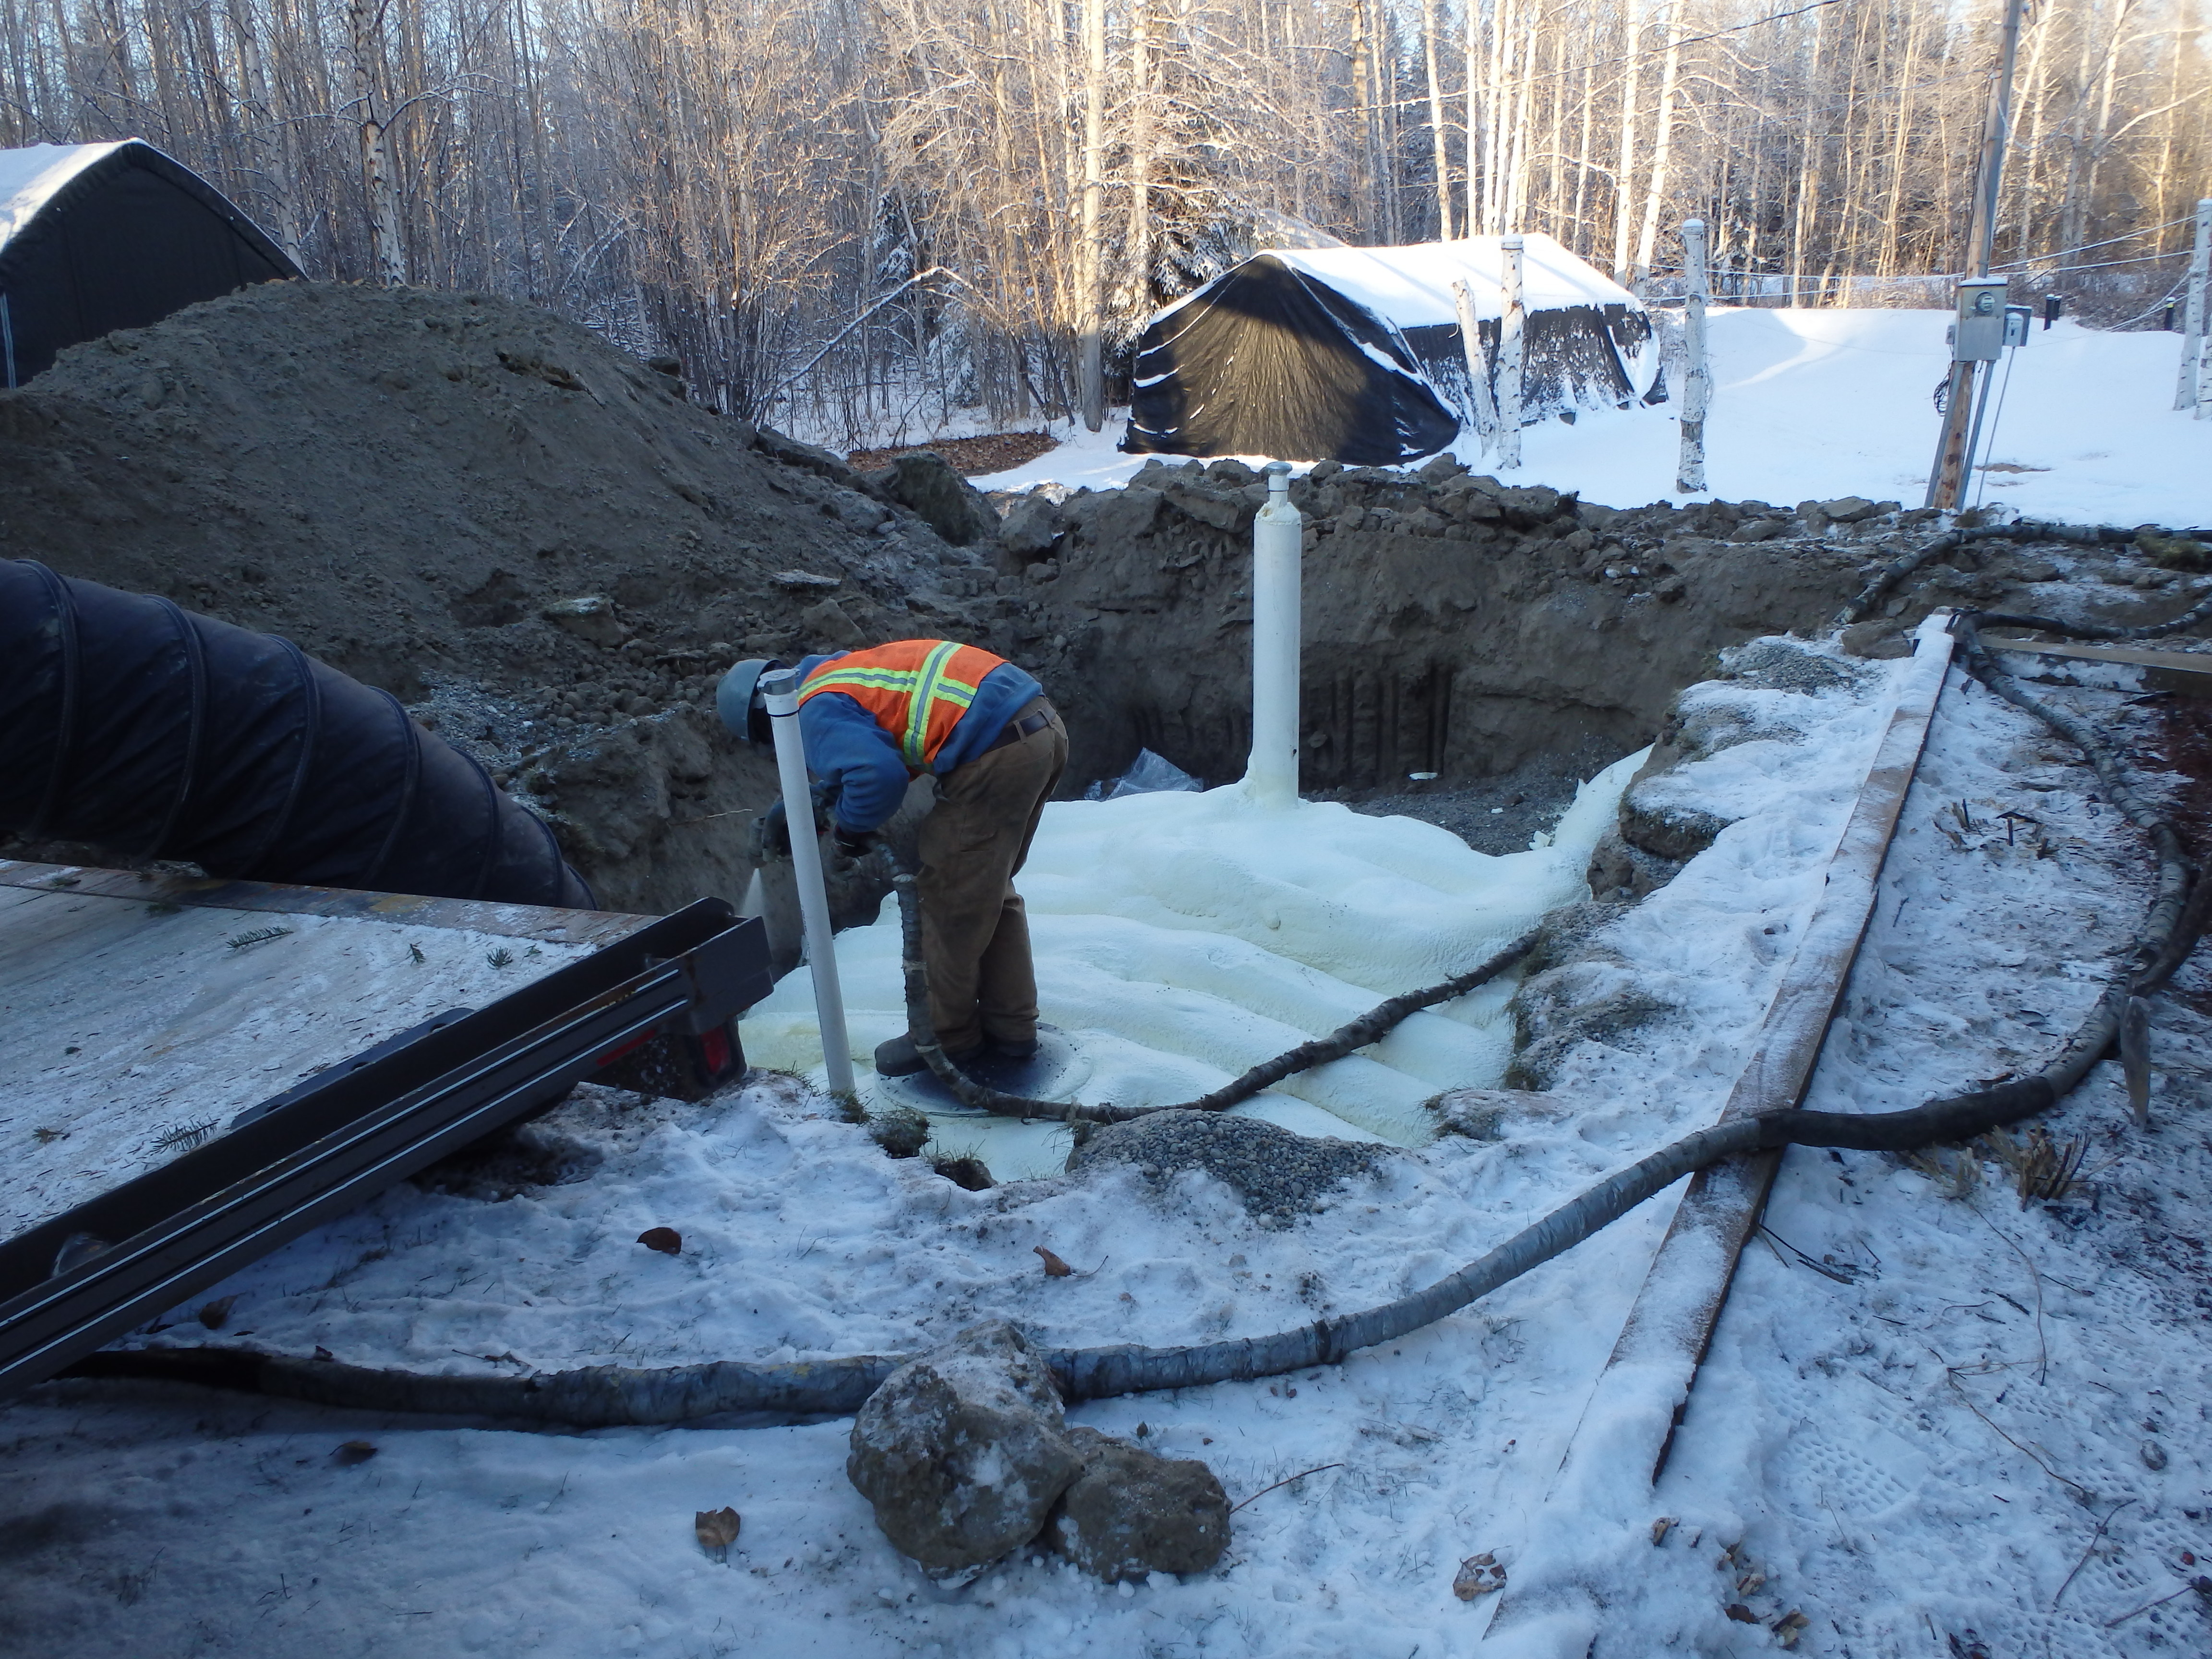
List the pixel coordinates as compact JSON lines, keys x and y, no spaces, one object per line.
{"x":547,"y":550}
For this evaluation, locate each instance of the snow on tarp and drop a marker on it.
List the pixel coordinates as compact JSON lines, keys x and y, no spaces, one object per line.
{"x":95,"y":238}
{"x":1354,"y":353}
{"x":1413,"y":286}
{"x":30,"y":177}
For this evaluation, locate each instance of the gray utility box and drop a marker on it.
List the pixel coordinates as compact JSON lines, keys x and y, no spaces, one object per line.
{"x":1979,"y":336}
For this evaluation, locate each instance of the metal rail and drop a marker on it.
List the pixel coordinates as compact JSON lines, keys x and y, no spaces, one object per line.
{"x":76,"y":1282}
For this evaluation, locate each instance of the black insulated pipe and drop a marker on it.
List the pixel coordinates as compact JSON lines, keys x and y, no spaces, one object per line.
{"x":132,"y":725}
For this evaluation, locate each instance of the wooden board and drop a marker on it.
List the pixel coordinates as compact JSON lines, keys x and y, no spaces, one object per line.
{"x":2186,"y":671}
{"x":544,"y":923}
{"x":135,"y":1007}
{"x":1670,"y":1326}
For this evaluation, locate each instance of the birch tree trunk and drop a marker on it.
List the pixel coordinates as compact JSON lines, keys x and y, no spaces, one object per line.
{"x":1624,"y":173}
{"x":386,"y":257}
{"x":1092,"y":260}
{"x":1443,"y":161}
{"x":1661,"y":147}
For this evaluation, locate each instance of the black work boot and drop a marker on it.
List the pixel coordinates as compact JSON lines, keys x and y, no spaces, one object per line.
{"x":900,"y":1058}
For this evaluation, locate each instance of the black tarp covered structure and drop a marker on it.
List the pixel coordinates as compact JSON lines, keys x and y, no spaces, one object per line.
{"x":1355,"y":354}
{"x":98,"y":237}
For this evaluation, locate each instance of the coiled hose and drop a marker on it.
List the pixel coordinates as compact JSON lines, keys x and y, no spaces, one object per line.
{"x":130,"y":724}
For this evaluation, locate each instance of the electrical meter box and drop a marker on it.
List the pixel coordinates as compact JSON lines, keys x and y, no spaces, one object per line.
{"x":1978,"y":336}
{"x":2017,"y":321}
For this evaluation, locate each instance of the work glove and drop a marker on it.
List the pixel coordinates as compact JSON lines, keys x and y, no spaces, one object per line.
{"x":853,"y":843}
{"x":774,"y":824}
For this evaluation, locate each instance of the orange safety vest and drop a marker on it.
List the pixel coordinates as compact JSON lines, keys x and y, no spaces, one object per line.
{"x":917,"y":689}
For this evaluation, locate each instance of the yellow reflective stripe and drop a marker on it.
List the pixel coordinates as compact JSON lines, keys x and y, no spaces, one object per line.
{"x":876,"y":679}
{"x":931,"y":675}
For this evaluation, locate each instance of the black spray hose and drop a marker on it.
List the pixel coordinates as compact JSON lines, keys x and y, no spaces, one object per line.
{"x":1369,"y":1027}
{"x":139,"y":727}
{"x":2023,"y":530}
{"x":610,"y":1395}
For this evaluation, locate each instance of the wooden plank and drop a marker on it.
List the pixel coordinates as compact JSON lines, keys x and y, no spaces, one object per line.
{"x":2185,"y":672}
{"x":544,"y":923}
{"x":1669,"y":1328}
{"x":125,"y":1017}
{"x":1671,"y":1324}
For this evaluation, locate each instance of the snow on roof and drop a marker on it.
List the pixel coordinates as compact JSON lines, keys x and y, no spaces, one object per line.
{"x":31,"y":178}
{"x":1411,"y":287}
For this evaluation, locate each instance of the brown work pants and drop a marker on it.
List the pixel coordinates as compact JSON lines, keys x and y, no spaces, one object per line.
{"x":975,"y":933}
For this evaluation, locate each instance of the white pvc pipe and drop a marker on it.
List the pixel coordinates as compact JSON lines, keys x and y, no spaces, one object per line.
{"x":780,"y":692}
{"x":1509,"y":359}
{"x":1697,"y":379}
{"x":1272,"y":777}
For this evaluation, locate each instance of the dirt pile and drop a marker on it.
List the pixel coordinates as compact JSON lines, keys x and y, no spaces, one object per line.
{"x":531,"y":536}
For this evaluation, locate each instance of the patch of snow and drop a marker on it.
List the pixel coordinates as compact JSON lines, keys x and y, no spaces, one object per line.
{"x":1812,"y":404}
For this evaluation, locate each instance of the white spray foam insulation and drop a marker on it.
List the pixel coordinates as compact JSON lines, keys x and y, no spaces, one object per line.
{"x":1182,"y":938}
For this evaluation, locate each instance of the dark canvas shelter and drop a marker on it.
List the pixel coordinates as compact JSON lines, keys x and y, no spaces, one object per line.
{"x":98,"y":237}
{"x":1355,"y":354}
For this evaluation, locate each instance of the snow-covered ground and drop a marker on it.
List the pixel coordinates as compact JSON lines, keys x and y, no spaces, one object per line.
{"x":1916,"y":1458}
{"x":1812,"y":404}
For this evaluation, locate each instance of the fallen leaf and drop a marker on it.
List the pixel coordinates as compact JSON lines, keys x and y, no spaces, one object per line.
{"x":354,"y":1451}
{"x":1741,"y":1613}
{"x":666,"y":1240}
{"x":717,"y":1530}
{"x":1054,"y":1266}
{"x":216,"y":1314}
{"x":1661,"y":1528}
{"x":1478,"y":1575}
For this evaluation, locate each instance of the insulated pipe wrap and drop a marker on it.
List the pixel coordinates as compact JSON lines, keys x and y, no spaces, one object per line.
{"x":132,"y":725}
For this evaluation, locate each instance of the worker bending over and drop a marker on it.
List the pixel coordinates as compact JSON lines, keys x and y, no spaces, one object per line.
{"x":872,"y":721}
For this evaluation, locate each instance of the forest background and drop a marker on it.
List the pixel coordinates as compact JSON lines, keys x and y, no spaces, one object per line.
{"x":856,"y":218}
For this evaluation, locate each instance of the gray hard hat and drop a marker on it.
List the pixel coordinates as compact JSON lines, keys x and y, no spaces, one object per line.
{"x":736,"y":702}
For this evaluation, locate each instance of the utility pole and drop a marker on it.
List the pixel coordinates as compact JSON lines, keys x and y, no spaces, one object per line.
{"x":1946,"y":483}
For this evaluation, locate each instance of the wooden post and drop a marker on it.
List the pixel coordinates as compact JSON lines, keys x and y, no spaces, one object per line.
{"x":2190,"y":393}
{"x":1947,"y":478}
{"x":1509,"y":360}
{"x":1697,"y":379}
{"x":1481,"y":408}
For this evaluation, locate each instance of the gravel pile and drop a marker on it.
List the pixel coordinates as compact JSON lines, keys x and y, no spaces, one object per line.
{"x":1277,"y":1174}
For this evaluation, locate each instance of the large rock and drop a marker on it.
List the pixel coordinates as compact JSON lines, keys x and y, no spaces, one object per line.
{"x":929,"y":485}
{"x":1031,"y":526}
{"x":964,"y":1452}
{"x":1133,"y":1512}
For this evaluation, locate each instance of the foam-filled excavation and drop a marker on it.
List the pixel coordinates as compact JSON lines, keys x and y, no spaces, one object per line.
{"x":1181,"y":938}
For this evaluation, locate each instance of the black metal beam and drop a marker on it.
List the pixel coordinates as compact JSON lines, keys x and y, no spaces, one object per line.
{"x":72,"y":1284}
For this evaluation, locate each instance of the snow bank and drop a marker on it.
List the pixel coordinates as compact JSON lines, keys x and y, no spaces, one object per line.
{"x":1182,"y":938}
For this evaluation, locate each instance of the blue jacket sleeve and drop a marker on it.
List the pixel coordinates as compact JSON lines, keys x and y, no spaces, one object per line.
{"x":856,"y":757}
